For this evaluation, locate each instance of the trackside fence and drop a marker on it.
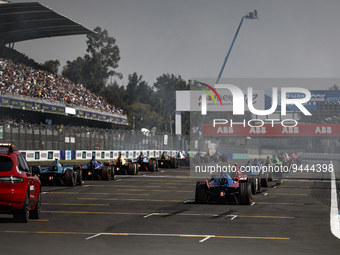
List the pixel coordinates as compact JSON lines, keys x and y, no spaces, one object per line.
{"x":53,"y":137}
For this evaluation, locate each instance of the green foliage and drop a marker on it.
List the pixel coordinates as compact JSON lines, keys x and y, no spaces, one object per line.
{"x":95,"y":68}
{"x":145,"y":116}
{"x":151,"y":106}
{"x":52,"y":65}
{"x":334,"y":87}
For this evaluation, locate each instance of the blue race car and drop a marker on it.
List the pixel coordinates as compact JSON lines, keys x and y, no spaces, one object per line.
{"x":224,"y":189}
{"x":146,"y":164}
{"x":57,"y":174}
{"x":97,"y":170}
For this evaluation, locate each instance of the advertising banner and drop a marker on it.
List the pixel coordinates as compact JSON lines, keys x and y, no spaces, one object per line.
{"x":269,"y":130}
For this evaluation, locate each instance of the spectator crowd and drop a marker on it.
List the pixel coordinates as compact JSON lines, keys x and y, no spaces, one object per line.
{"x":20,"y":75}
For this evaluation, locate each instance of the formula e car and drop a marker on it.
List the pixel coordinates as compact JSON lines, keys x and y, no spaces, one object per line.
{"x":201,"y":157}
{"x":57,"y":174}
{"x":218,"y":157}
{"x":122,"y":166}
{"x":146,"y":164}
{"x":277,"y":164}
{"x":97,"y":170}
{"x":183,"y":158}
{"x":255,"y":176}
{"x":166,"y":161}
{"x":268,"y":164}
{"x":223,"y":189}
{"x":295,"y":159}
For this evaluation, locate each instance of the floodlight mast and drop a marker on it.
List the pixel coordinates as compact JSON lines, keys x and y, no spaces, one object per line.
{"x":250,"y":15}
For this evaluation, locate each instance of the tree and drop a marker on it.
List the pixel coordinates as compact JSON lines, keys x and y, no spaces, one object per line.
{"x":95,"y":68}
{"x":74,"y":70}
{"x":145,"y":116}
{"x":139,"y":90}
{"x":334,"y":87}
{"x":165,"y":92}
{"x":52,"y":65}
{"x":115,"y":95}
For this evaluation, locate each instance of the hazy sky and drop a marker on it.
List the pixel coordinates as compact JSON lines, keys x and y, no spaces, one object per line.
{"x":292,"y":38}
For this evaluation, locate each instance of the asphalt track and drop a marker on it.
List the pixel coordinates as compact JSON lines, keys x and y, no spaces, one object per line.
{"x":154,"y":213}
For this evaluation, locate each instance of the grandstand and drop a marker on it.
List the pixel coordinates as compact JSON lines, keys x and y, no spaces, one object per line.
{"x":29,"y":92}
{"x":43,"y":111}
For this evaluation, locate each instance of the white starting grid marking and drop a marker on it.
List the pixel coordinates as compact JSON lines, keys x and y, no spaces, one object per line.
{"x":234,"y":217}
{"x":335,"y":221}
{"x":205,"y":237}
{"x":88,"y":238}
{"x":146,"y":216}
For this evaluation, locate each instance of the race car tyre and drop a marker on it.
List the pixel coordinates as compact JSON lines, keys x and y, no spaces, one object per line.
{"x":23,"y":214}
{"x":106,"y":174}
{"x":270,"y":177}
{"x":200,"y":197}
{"x":187,"y":161}
{"x":113,"y":172}
{"x":264,"y":180}
{"x":137,"y":168}
{"x":253,"y":185}
{"x":35,"y":213}
{"x":69,"y":178}
{"x":131,"y":168}
{"x":245,"y":193}
{"x":152,"y":165}
{"x":79,"y":176}
{"x":172,"y":163}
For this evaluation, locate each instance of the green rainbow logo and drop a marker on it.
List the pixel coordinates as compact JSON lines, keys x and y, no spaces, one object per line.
{"x":209,"y":93}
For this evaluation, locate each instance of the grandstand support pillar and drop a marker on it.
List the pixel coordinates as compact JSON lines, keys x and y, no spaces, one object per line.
{"x":25,"y":140}
{"x":178,"y":123}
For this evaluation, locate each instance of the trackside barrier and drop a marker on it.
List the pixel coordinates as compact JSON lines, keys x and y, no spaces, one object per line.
{"x":47,"y":155}
{"x":327,"y":156}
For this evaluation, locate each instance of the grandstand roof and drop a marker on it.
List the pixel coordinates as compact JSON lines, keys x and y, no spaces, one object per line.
{"x":26,"y":21}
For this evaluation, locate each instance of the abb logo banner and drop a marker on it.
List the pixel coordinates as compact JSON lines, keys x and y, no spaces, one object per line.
{"x":301,"y":130}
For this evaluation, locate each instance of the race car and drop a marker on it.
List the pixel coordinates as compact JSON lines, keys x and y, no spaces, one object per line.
{"x":97,"y":170}
{"x":277,"y":163}
{"x":269,"y":164}
{"x":166,"y":161}
{"x":183,"y":158}
{"x":295,"y":158}
{"x":57,"y":174}
{"x":146,"y":164}
{"x":20,"y":187}
{"x":122,"y":166}
{"x":285,"y":159}
{"x":254,"y":177}
{"x":223,"y":189}
{"x":262,"y":174}
{"x":218,"y":156}
{"x":201,"y":157}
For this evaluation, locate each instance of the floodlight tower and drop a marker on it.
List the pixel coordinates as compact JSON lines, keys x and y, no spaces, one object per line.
{"x":249,"y":15}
